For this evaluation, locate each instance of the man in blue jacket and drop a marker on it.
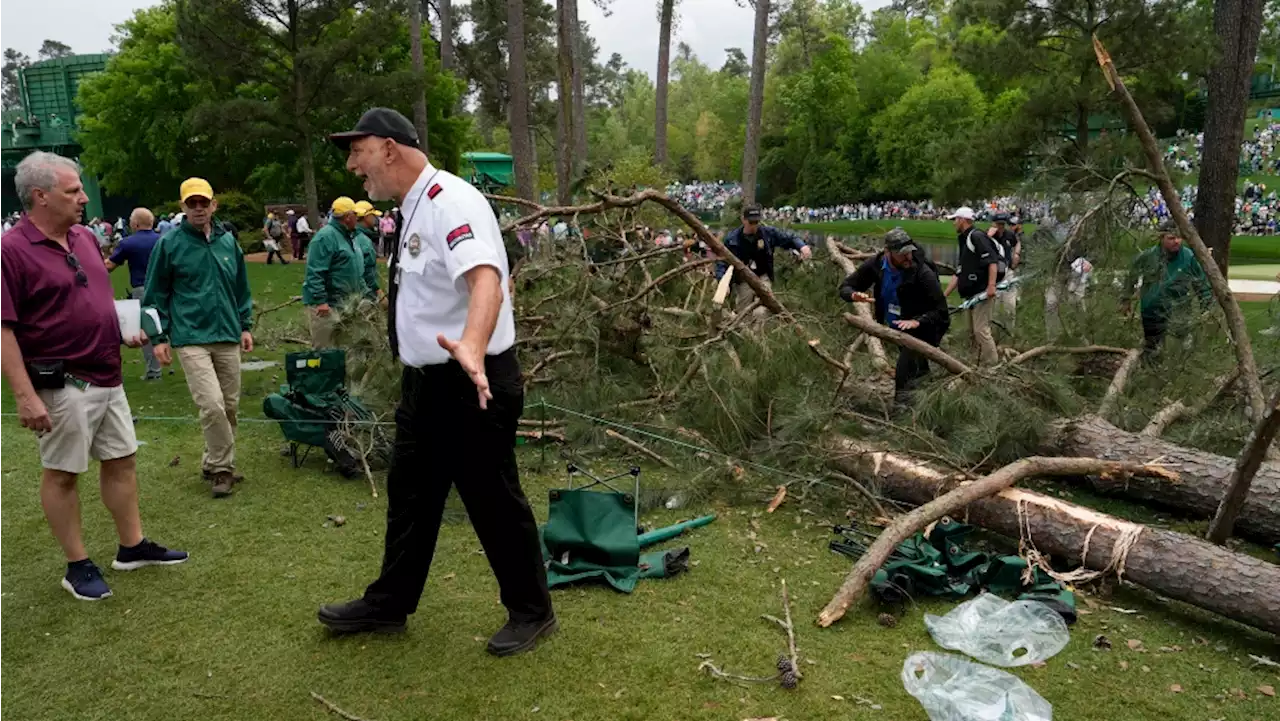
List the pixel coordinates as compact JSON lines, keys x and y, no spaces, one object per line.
{"x":753,"y":244}
{"x":135,"y":251}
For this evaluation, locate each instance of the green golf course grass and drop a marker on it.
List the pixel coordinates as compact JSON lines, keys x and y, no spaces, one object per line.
{"x":231,"y":635}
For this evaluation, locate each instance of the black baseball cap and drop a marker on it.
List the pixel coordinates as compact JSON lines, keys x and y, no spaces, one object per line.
{"x":899,"y":241}
{"x":751,"y":212}
{"x":381,"y":123}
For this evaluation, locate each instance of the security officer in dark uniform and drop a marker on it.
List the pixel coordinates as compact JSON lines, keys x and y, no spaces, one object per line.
{"x":753,"y":243}
{"x":908,"y":297}
{"x":461,"y":394}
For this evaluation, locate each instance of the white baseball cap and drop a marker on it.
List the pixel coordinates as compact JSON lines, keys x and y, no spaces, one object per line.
{"x":963,"y":211}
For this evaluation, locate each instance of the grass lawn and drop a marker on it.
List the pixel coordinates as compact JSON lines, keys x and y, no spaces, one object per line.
{"x":1244,"y":248}
{"x":232,"y":633}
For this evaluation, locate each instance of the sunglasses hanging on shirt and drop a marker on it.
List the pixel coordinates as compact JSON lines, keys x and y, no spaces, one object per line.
{"x":81,"y":279}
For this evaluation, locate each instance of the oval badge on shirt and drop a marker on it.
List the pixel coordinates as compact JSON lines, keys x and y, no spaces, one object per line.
{"x":415,"y":245}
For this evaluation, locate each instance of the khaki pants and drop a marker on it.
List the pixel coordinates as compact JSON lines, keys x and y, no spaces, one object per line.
{"x":743,"y":296}
{"x":213,"y":376}
{"x":322,"y":328}
{"x":980,"y":326}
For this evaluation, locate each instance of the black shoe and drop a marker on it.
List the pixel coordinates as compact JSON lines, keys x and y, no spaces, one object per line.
{"x":359,"y":616}
{"x":518,"y":637}
{"x":147,"y":553}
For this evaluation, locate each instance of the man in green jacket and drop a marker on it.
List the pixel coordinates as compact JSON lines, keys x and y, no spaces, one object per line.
{"x":1170,"y":275}
{"x":197,"y":282}
{"x":367,"y":226}
{"x":335,"y":270}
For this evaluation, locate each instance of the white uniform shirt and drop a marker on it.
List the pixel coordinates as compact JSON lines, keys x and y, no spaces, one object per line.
{"x":449,"y":229}
{"x":303,"y":226}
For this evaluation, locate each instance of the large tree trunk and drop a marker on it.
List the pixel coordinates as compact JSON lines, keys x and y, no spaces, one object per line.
{"x":1236,"y":24}
{"x":419,"y":71}
{"x":526,"y":170}
{"x":1171,"y":564}
{"x":664,"y":70}
{"x":579,"y":97}
{"x":445,"y":9}
{"x":1249,"y":466}
{"x":564,"y":92}
{"x":1205,"y":477}
{"x":755,"y":107}
{"x":309,"y":182}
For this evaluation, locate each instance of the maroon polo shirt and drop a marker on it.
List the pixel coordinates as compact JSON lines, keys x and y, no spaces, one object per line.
{"x":52,"y":315}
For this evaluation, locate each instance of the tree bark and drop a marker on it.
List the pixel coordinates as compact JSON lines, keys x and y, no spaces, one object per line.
{"x":420,"y":72}
{"x":910,"y":342}
{"x":526,"y":170}
{"x":564,"y":117}
{"x":1240,"y":340}
{"x":309,"y":182}
{"x":445,"y":9}
{"x":755,"y":106}
{"x":664,"y":71}
{"x":1118,"y":382}
{"x":1237,"y":25}
{"x":579,"y":97}
{"x":1171,"y":564}
{"x":1251,"y":461}
{"x":1205,"y":476}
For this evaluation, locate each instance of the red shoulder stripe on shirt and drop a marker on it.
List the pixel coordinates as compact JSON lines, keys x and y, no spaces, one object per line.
{"x":434,"y":191}
{"x":459,"y":234}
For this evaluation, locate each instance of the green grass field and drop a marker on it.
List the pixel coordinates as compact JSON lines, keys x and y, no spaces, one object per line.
{"x":232,"y":633}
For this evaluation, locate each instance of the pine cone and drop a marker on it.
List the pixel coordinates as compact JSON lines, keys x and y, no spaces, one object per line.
{"x":784,"y":664}
{"x":887,"y":620}
{"x":790,"y":680}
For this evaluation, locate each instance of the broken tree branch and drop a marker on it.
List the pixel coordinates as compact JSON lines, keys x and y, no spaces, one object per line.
{"x":1046,"y":349}
{"x":1221,"y":290}
{"x":541,"y":435}
{"x":826,"y":357}
{"x":1118,"y":382}
{"x":876,"y":348}
{"x":676,"y":271}
{"x":1255,"y":452}
{"x":856,"y":583}
{"x":639,"y":447}
{"x":937,"y":355}
{"x":551,"y":358}
{"x":1178,"y":410}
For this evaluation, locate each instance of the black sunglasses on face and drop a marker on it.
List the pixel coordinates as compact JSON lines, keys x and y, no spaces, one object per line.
{"x":81,"y":279}
{"x":197,"y":203}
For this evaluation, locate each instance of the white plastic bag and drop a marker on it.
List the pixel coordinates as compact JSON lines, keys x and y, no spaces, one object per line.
{"x":953,"y":688}
{"x":995,"y":631}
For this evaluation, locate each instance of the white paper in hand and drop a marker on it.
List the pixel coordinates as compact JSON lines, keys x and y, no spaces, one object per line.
{"x":129,"y":313}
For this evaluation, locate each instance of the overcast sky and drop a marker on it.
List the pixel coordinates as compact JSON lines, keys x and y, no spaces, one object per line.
{"x":708,"y":26}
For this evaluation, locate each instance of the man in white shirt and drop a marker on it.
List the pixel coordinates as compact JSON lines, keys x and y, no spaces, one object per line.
{"x":301,"y":237}
{"x":451,"y":324}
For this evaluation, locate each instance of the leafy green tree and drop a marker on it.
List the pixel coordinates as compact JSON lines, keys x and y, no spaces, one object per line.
{"x":911,"y":133}
{"x":51,"y":49}
{"x":13,"y":61}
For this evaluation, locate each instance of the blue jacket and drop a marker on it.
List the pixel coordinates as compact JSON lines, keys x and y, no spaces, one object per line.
{"x":758,"y":249}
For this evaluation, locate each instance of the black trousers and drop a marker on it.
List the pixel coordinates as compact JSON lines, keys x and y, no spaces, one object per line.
{"x":444,"y":439}
{"x":276,"y":254}
{"x":912,"y":366}
{"x":1153,"y":331}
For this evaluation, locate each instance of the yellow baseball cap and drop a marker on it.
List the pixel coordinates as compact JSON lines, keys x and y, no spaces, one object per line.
{"x":195,"y":186}
{"x":343,"y":205}
{"x":364,"y":208}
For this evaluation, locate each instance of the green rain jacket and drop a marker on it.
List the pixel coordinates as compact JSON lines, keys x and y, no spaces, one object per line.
{"x":199,"y":287}
{"x":366,"y":238}
{"x":1168,"y":283}
{"x":335,"y":266}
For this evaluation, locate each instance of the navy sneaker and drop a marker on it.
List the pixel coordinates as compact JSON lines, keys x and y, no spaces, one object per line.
{"x":84,"y":581}
{"x":147,"y":553}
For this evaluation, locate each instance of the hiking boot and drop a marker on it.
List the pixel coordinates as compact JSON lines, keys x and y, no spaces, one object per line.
{"x":146,"y":553}
{"x":85,"y":582}
{"x":520,"y":636}
{"x":359,"y":616}
{"x":235,"y":477}
{"x":223,"y":482}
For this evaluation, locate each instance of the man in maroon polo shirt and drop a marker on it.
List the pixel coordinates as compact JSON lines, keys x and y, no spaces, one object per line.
{"x":61,"y":357}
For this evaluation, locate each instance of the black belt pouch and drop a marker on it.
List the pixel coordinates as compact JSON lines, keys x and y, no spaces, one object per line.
{"x":47,"y":375}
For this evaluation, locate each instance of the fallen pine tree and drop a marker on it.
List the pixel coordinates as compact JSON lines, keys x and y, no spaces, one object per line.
{"x":1204,"y":476}
{"x":1174,"y":565}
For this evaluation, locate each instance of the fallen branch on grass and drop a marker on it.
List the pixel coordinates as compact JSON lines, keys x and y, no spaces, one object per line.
{"x":543,"y":435}
{"x":639,"y":447}
{"x":335,"y":709}
{"x":790,"y":670}
{"x":274,"y":308}
{"x":1178,"y":410}
{"x":551,"y":358}
{"x":716,"y":672}
{"x":674,"y":272}
{"x":1046,"y":349}
{"x":937,"y":355}
{"x":826,"y":357}
{"x":1118,"y":382}
{"x":951,"y":503}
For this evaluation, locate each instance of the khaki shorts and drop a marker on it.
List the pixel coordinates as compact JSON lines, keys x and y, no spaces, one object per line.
{"x":92,"y":423}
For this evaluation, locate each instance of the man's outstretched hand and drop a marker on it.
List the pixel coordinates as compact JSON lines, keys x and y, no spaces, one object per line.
{"x":472,"y":361}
